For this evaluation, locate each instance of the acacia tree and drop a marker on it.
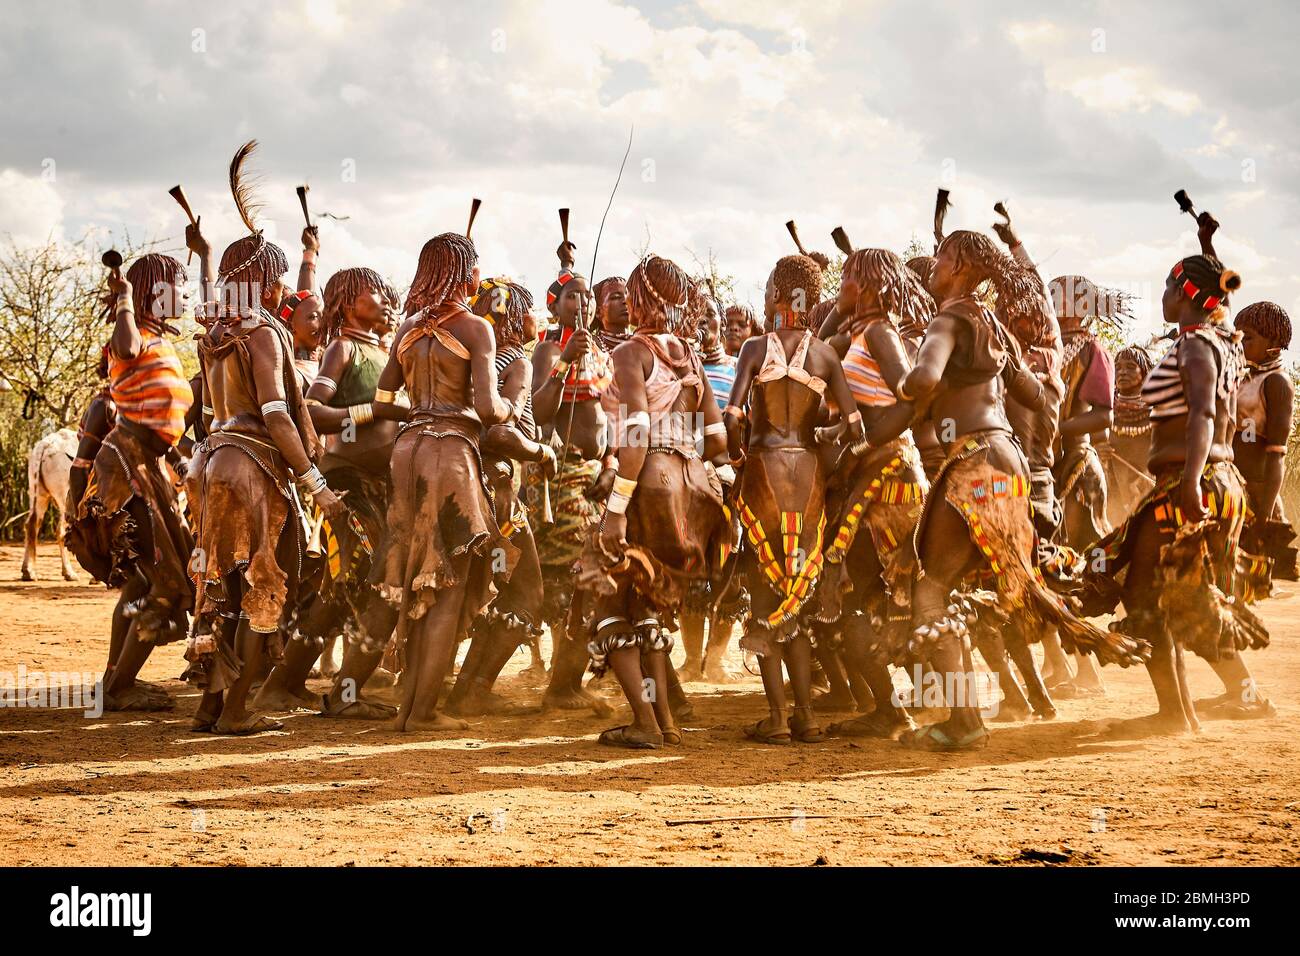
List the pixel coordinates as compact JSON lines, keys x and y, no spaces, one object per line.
{"x":51,"y":333}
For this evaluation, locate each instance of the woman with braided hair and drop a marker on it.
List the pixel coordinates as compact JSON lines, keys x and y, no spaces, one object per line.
{"x":127,"y":528}
{"x":977,"y":516}
{"x":877,"y":486}
{"x":444,"y":549}
{"x":1173,"y":562}
{"x":1127,"y":447}
{"x":664,"y":525}
{"x":1264,"y":411}
{"x":782,"y":377}
{"x":1089,"y":378}
{"x":1263,"y":428}
{"x":260,"y":445}
{"x":514,"y":618}
{"x":359,"y":306}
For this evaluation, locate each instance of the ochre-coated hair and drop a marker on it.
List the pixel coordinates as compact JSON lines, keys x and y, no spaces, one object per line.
{"x":150,"y":275}
{"x":251,"y":262}
{"x":344,"y":287}
{"x":506,"y":304}
{"x":1022,"y":303}
{"x":819,"y":312}
{"x":922,"y":266}
{"x":446,"y":264}
{"x":657,"y":295}
{"x":1080,"y":299}
{"x":793,"y":275}
{"x":902,"y":295}
{"x":1269,"y":320}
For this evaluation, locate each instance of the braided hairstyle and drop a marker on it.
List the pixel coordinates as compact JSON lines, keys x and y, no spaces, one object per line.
{"x":446,"y":264}
{"x":1269,"y":320}
{"x":797,"y":281}
{"x":902,"y":294}
{"x":344,"y":287}
{"x":817,"y":314}
{"x":1022,"y":303}
{"x":1079,"y":301}
{"x":250,"y":264}
{"x":506,"y":304}
{"x":1207,"y":282}
{"x":658,"y":293}
{"x":153,"y":279}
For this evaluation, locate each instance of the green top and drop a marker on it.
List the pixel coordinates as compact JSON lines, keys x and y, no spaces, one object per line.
{"x":360,"y":379}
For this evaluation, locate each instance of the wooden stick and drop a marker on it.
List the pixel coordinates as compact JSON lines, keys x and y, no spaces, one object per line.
{"x":794,"y":234}
{"x":302,"y":199}
{"x":776,"y":816}
{"x":473,"y":211}
{"x":941,"y":204}
{"x":564,"y":224}
{"x":841,"y":240}
{"x":1185,"y":202}
{"x":112,"y":260}
{"x":177,"y":193}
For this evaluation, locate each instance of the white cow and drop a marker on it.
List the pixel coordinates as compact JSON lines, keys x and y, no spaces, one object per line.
{"x":48,"y":467}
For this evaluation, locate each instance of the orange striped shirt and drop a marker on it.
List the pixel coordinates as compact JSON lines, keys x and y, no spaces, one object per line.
{"x":151,"y":389}
{"x":863,"y":375}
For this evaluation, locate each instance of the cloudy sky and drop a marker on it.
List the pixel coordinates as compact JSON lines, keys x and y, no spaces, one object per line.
{"x":1086,"y":118}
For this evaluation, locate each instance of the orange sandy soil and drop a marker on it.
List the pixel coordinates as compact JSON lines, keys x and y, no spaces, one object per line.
{"x":142,"y":789}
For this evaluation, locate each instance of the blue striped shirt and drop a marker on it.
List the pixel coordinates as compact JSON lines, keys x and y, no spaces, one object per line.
{"x":721,"y":376}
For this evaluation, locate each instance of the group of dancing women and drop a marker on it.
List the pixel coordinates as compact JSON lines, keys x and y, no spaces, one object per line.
{"x":941,"y":459}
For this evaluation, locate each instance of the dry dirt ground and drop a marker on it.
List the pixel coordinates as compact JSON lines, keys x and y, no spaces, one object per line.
{"x":143,"y":789}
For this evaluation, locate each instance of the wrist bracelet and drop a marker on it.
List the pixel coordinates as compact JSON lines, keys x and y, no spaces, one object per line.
{"x":734,"y":410}
{"x":624,"y":487}
{"x":617,"y":503}
{"x":362,"y":414}
{"x":385,"y":396}
{"x":854,"y":417}
{"x":717,"y":428}
{"x":902,"y":392}
{"x":561,"y":368}
{"x":311,"y":481}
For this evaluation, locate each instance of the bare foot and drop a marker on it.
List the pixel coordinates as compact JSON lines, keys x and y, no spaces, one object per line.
{"x":875,"y":724}
{"x":439,"y":722}
{"x":475,"y":704}
{"x":579,"y":699}
{"x":1152,"y":725}
{"x":253,"y":723}
{"x":283,"y":700}
{"x":137,"y":698}
{"x":834,"y":702}
{"x":382,"y":677}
